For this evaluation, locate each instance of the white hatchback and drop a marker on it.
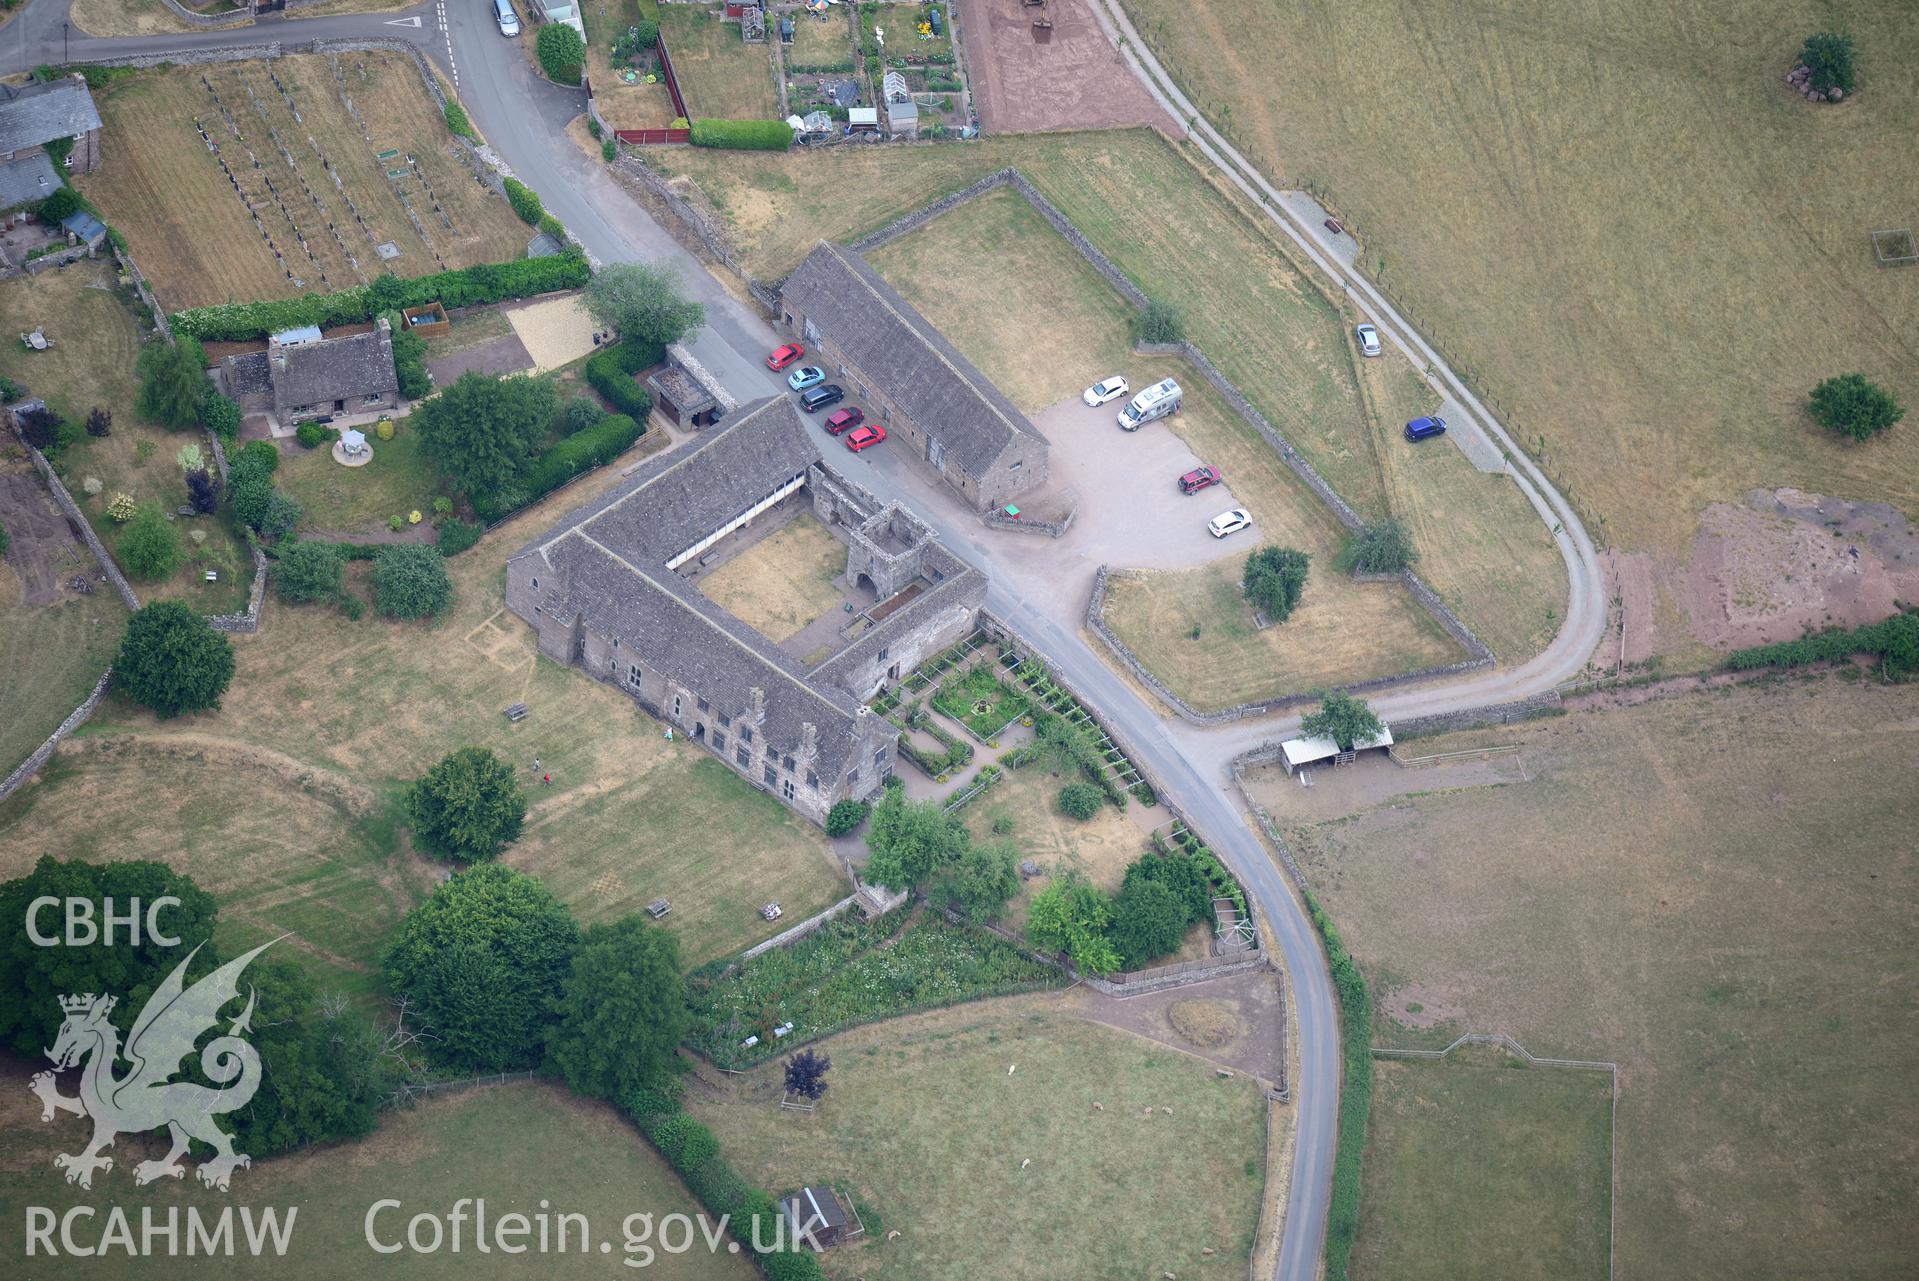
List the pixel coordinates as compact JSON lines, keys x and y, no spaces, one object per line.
{"x":1108,"y":389}
{"x":1229,"y":522}
{"x":1368,"y":340}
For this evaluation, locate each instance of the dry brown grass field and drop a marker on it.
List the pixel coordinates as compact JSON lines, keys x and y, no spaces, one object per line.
{"x":1038,"y":320}
{"x":192,"y":232}
{"x":284,"y":802}
{"x":782,"y":582}
{"x":929,"y":1130}
{"x":1716,"y":891}
{"x":1613,"y":217}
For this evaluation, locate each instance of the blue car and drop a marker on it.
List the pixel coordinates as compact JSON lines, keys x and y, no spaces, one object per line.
{"x":1424,"y":428}
{"x":805,"y":376}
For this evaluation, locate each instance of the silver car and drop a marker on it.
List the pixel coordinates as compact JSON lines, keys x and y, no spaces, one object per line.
{"x":1368,"y":340}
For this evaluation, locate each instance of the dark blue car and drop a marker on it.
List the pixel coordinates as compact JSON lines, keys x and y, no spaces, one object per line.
{"x":1422,"y":428}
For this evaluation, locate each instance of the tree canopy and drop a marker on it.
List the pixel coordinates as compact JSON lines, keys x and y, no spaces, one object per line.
{"x":149,"y":546}
{"x":173,"y":378}
{"x":622,"y":1010}
{"x":1071,"y":916}
{"x":468,"y":806}
{"x":1274,"y":579}
{"x":33,"y":978}
{"x":1854,"y":406}
{"x":910,"y":841}
{"x":1383,"y":547}
{"x":561,"y":51}
{"x":309,"y":571}
{"x":485,"y":432}
{"x":1149,"y":920}
{"x":806,"y":1074}
{"x":1342,"y":718}
{"x":642,"y":301}
{"x":325,"y":1075}
{"x":980,"y":881}
{"x":171,"y":661}
{"x":1828,"y":55}
{"x":480,"y":963}
{"x":410,"y":581}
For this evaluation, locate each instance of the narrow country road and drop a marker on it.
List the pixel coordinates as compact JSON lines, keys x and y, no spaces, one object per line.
{"x":523,"y":117}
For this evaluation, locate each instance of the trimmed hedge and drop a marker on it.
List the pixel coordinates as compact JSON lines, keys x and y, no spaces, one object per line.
{"x":608,"y":374}
{"x":1894,"y":641}
{"x":469,"y":286}
{"x":743,"y":135}
{"x":525,"y":201}
{"x":580,"y":452}
{"x":458,"y":535}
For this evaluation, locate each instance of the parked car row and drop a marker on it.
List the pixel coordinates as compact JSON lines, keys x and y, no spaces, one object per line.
{"x":817,"y":394}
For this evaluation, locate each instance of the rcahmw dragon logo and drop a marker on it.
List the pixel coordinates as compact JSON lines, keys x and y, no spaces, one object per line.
{"x":144,"y":1099}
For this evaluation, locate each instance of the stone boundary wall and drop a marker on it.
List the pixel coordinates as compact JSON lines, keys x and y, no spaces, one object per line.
{"x":911,"y":222}
{"x":995,"y":519}
{"x":147,"y":296}
{"x":71,"y":510}
{"x":216,"y":21}
{"x":76,"y":718}
{"x":1178,"y":974}
{"x":1524,"y":709}
{"x":703,"y":226}
{"x":799,"y":931}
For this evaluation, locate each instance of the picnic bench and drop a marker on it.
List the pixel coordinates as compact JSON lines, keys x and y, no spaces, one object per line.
{"x":658,"y":907}
{"x":516,"y":713}
{"x":36,"y":341}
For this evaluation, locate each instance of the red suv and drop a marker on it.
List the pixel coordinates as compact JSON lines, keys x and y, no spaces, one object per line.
{"x":844,"y":420}
{"x":784,"y":356}
{"x":1197,"y":479}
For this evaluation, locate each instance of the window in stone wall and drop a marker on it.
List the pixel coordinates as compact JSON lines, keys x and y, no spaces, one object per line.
{"x":786,"y":763}
{"x":852,"y":778}
{"x":770,"y":776}
{"x":633,"y":675}
{"x":726,"y":720}
{"x":719,"y":741}
{"x":744,"y":757}
{"x":813,"y":780}
{"x":786,"y":789}
{"x":676,"y":707}
{"x":746,"y":733}
{"x":702,"y":705}
{"x":881,"y":657}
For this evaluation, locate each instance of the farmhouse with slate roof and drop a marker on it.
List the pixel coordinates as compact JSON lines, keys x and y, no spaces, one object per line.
{"x":613,"y":590}
{"x":297,"y":378}
{"x":931,"y":399}
{"x":31,"y":116}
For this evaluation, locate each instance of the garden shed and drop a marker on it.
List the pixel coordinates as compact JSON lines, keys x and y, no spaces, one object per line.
{"x":816,"y":1216}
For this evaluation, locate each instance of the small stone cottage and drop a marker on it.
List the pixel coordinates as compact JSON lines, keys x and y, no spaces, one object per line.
{"x":303,"y":376}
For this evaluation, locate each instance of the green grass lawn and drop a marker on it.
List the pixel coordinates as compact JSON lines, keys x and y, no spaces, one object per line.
{"x":721,"y":76}
{"x":978,"y":700}
{"x":96,"y":342}
{"x":1718,"y":893}
{"x":1476,"y":1166}
{"x":929,"y":1130}
{"x":521,"y":1147}
{"x":402,"y":478}
{"x":1564,"y":189}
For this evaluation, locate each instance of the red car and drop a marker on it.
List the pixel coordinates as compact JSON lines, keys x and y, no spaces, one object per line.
{"x":1197,"y":479}
{"x":844,"y":420}
{"x":784,"y":356}
{"x":865,"y":437}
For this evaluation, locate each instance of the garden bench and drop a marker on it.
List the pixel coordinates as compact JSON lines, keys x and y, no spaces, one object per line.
{"x":658,"y":907}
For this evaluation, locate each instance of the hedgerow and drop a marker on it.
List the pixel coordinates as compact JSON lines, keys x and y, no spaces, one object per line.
{"x":1894,"y":641}
{"x":742,"y":135}
{"x":468,"y":286}
{"x":608,"y":374}
{"x":595,"y":447}
{"x":1355,"y":1093}
{"x":457,"y":122}
{"x":525,"y":202}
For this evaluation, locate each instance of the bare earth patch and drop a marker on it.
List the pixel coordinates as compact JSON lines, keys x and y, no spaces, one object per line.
{"x":1207,"y":1024}
{"x":1787,"y":562}
{"x":1075,"y":80}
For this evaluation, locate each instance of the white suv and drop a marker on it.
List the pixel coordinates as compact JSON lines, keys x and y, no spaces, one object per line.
{"x":1105,"y":390}
{"x":1229,"y":522}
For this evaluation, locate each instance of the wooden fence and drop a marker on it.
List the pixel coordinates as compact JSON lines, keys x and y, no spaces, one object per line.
{"x":651,"y":137}
{"x":672,"y":81}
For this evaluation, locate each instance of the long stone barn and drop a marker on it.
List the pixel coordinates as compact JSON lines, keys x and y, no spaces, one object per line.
{"x":931,"y":399}
{"x":614,"y":589}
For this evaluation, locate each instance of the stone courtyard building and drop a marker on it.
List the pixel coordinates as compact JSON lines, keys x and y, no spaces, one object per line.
{"x":934,"y":404}
{"x":33,"y":115}
{"x":613,"y":590}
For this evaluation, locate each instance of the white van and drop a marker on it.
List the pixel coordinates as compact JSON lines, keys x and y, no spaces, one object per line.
{"x":509,"y":20}
{"x":1151,"y":405}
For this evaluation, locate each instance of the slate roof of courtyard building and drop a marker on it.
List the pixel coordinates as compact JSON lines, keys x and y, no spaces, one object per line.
{"x":37,"y":114}
{"x":908,"y":357}
{"x":28,"y":180}
{"x":337,"y":369}
{"x":611,"y":556}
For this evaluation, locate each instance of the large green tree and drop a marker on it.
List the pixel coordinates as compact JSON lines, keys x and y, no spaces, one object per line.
{"x":1828,"y":55}
{"x":980,"y":881}
{"x":1383,"y":547}
{"x":33,"y":977}
{"x":173,"y":379}
{"x":622,"y":1010}
{"x":479,"y":965}
{"x":485,"y":432}
{"x":910,"y":841}
{"x":309,"y":571}
{"x":643,"y":302}
{"x":1274,"y":579}
{"x":410,"y":581}
{"x":171,"y":661}
{"x":325,"y":1073}
{"x":1854,"y":406}
{"x":1149,"y":920}
{"x":1341,"y":717}
{"x":561,"y":51}
{"x":1071,"y":916}
{"x":468,"y":806}
{"x":149,"y":546}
